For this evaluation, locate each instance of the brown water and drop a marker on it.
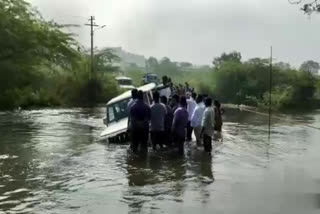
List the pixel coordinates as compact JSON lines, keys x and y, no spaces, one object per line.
{"x":51,"y":161}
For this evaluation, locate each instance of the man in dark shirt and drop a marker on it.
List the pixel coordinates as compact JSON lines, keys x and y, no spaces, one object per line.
{"x":140,"y":114}
{"x":134,"y":94}
{"x":167,"y":121}
{"x":174,"y":102}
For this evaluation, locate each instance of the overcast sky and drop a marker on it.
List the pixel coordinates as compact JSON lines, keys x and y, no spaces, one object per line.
{"x":194,"y":30}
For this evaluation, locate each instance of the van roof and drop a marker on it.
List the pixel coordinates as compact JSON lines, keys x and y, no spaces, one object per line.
{"x":150,"y":74}
{"x":123,"y":78}
{"x":127,"y":94}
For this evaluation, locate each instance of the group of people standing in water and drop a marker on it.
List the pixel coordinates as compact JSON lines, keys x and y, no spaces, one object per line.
{"x":172,"y":121}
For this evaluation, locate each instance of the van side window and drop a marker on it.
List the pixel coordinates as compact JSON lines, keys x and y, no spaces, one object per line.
{"x":118,"y":111}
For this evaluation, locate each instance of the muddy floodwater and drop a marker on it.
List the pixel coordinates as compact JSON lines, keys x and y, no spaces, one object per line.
{"x":51,"y":161}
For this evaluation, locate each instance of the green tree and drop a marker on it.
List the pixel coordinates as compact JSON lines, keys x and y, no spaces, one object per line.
{"x":30,"y":47}
{"x":104,"y":61}
{"x":248,"y":83}
{"x":307,"y":6}
{"x":258,"y":61}
{"x":165,"y":61}
{"x":185,"y":64}
{"x":151,"y":64}
{"x":167,"y":67}
{"x":230,"y":57}
{"x":41,"y":65}
{"x":282,"y":65}
{"x":310,"y":67}
{"x":230,"y":82}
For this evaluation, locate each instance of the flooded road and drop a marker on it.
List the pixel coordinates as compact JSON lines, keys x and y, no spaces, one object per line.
{"x":51,"y":161}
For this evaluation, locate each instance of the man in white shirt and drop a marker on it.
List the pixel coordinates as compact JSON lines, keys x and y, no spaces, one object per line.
{"x":208,"y":122}
{"x":196,"y":119}
{"x":191,"y":106}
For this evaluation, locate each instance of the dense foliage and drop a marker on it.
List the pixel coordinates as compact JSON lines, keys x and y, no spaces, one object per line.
{"x":233,"y":81}
{"x":247,"y":82}
{"x":224,"y":58}
{"x":41,"y":65}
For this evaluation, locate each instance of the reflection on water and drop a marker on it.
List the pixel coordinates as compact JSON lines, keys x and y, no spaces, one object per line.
{"x":51,"y":161}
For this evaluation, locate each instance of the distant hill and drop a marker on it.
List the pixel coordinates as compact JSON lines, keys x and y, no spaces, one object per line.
{"x":129,"y":59}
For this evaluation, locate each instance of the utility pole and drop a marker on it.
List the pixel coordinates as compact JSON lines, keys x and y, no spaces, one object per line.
{"x":92,"y":25}
{"x":93,"y":86}
{"x":270,"y":92}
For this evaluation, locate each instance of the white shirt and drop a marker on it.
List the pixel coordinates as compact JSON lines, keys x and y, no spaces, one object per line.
{"x":165,"y":92}
{"x":208,"y":121}
{"x":196,"y":118}
{"x":131,"y":103}
{"x":191,"y":106}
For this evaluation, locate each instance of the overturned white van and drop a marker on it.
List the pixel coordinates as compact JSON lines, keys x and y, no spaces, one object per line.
{"x":117,"y":113}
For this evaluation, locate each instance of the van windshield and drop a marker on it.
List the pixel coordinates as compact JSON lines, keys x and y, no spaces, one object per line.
{"x":125,"y":82}
{"x":118,"y":111}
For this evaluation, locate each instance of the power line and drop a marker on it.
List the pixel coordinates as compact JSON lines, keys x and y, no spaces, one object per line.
{"x":73,"y":16}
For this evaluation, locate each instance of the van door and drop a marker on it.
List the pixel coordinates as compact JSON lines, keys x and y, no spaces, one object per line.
{"x":148,"y":97}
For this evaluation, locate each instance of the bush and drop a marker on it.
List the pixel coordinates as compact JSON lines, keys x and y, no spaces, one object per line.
{"x":251,"y":101}
{"x":26,"y":98}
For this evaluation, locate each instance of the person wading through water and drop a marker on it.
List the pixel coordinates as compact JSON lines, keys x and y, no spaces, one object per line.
{"x":167,"y":121}
{"x":180,"y":120}
{"x":196,"y":119}
{"x":191,"y":106}
{"x":208,"y":122}
{"x":158,"y":115}
{"x":218,"y":121}
{"x":140,"y":114}
{"x":175,"y":102}
{"x":134,"y":97}
{"x":218,"y":116}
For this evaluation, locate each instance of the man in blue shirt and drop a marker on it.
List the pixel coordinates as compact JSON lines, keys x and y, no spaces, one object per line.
{"x":140,"y":114}
{"x":134,"y":94}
